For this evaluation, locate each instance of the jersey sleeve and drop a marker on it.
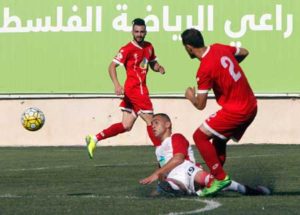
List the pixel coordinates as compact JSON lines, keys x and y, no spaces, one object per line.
{"x":204,"y":81}
{"x":121,"y":57}
{"x":152,"y":54}
{"x":232,"y":49}
{"x":180,"y":144}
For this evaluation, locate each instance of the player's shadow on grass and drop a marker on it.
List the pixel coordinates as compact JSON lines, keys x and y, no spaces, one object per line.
{"x":80,"y":194}
{"x":297,"y":193}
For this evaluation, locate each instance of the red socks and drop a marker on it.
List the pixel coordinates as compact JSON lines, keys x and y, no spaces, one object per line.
{"x":118,"y":128}
{"x":209,"y":155}
{"x":111,"y":131}
{"x":155,"y":141}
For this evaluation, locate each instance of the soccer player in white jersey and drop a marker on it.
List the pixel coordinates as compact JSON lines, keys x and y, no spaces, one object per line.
{"x":178,"y":172}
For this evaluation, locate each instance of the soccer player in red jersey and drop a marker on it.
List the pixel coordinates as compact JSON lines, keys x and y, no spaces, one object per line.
{"x":220,"y":71}
{"x":136,"y":56}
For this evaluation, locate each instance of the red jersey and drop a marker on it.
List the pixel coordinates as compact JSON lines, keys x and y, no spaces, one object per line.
{"x":135,"y":58}
{"x":220,"y":71}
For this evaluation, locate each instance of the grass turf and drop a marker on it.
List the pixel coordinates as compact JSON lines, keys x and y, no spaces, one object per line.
{"x":63,"y":180}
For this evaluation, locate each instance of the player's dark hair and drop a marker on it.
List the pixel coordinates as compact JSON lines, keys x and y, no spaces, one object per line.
{"x":192,"y":37}
{"x":163,"y":115}
{"x":138,"y":21}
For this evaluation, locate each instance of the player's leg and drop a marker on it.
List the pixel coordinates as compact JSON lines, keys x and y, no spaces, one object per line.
{"x":128,"y":120}
{"x":180,"y":181}
{"x":147,"y":117}
{"x":208,"y":152}
{"x":203,"y":179}
{"x":171,"y":187}
{"x":236,"y":187}
{"x":220,"y":146}
{"x":174,"y":183}
{"x":247,"y":190}
{"x":222,"y":125}
{"x":113,"y":130}
{"x":142,"y":105}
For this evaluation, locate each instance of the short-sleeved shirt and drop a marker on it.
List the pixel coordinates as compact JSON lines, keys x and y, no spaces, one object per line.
{"x":220,"y":71}
{"x":135,"y":58}
{"x":172,"y":145}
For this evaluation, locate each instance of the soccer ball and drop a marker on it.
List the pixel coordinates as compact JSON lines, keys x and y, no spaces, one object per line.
{"x":33,"y":119}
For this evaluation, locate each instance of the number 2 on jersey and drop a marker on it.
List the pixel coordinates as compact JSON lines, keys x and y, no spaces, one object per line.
{"x":227,"y":62}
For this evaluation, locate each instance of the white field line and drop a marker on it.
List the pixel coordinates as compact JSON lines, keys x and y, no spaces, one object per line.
{"x":124,"y":164}
{"x":209,"y":204}
{"x":255,"y":156}
{"x":41,"y":168}
{"x":73,"y":166}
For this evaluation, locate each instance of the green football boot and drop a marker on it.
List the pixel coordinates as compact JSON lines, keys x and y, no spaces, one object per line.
{"x":216,"y":186}
{"x":91,"y":145}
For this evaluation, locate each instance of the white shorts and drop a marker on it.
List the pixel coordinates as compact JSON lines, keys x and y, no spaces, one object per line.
{"x":185,"y":173}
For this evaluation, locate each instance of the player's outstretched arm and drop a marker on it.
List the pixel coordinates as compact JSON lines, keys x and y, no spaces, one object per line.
{"x":112,"y":70}
{"x":176,"y":160}
{"x":243,"y":53}
{"x":156,"y":67}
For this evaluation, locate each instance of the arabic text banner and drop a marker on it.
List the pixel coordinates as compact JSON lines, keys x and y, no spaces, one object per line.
{"x":66,"y":46}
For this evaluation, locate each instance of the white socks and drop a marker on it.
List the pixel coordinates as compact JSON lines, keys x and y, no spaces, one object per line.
{"x":236,"y":187}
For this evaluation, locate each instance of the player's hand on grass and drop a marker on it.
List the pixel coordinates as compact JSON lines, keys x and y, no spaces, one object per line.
{"x":149,"y":179}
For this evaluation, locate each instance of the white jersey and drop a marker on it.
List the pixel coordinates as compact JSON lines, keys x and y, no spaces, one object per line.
{"x":184,"y":173}
{"x":172,"y":145}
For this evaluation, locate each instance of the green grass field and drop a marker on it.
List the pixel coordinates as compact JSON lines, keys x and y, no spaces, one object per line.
{"x":63,"y":180}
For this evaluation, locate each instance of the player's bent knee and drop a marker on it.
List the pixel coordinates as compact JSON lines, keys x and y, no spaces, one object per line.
{"x":127,"y":126}
{"x":198,"y":134}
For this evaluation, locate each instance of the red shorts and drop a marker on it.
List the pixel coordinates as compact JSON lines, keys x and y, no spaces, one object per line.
{"x":227,"y":125}
{"x":137,"y":104}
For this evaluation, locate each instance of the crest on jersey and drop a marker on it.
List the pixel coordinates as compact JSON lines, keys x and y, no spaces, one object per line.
{"x":144,"y":63}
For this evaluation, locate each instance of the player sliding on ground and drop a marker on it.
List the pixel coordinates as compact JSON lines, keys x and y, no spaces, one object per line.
{"x":136,"y":56}
{"x":220,"y":71}
{"x":178,"y":172}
